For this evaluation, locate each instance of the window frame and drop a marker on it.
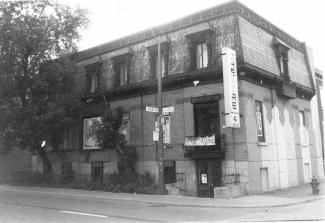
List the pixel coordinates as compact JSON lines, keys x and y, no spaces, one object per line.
{"x":169,"y":168}
{"x":260,"y":138}
{"x":200,"y":57}
{"x":153,"y":58}
{"x":101,"y":175}
{"x":198,"y":38}
{"x":93,"y":72}
{"x":118,"y":61}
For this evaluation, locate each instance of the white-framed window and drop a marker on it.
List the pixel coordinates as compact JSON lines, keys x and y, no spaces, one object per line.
{"x":123,"y":74}
{"x":201,"y":55}
{"x":93,"y":83}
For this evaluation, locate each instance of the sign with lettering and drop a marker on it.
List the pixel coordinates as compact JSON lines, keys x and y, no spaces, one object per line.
{"x":152,"y":109}
{"x":200,"y":141}
{"x":230,"y":83}
{"x":168,"y":109}
{"x":155,"y":136}
{"x":166,"y":130}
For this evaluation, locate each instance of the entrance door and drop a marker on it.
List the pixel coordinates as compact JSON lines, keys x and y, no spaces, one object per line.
{"x":208,"y":175}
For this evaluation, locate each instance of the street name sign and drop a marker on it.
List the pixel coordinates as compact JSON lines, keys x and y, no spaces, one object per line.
{"x":152,"y":109}
{"x":168,"y":109}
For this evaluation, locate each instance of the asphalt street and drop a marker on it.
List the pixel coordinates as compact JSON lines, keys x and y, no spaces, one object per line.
{"x":18,"y":206}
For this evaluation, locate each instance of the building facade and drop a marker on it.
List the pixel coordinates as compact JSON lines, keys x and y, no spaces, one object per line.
{"x":274,"y":146}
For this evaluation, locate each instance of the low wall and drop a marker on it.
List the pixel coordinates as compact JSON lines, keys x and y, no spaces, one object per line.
{"x":230,"y":191}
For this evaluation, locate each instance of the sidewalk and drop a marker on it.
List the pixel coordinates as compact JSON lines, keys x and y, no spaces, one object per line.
{"x":285,"y":197}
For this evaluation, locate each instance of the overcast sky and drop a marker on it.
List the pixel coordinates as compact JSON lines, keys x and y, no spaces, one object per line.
{"x":112,"y":19}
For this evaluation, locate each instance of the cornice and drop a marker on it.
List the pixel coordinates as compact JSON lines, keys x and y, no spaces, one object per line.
{"x":229,"y":8}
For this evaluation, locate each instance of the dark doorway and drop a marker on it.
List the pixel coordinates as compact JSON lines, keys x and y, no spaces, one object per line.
{"x":209,"y":170}
{"x":207,"y":119}
{"x":209,"y":176}
{"x":97,"y":172}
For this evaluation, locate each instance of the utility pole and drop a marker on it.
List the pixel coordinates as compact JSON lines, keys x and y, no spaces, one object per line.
{"x":161,"y":185}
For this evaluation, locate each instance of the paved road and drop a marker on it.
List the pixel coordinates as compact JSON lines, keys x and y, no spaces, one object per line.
{"x":18,"y":206}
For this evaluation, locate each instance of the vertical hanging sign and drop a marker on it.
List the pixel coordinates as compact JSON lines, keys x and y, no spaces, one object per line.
{"x":230,"y":85}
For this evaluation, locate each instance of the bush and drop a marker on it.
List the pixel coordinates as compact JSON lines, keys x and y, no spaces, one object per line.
{"x":129,"y":184}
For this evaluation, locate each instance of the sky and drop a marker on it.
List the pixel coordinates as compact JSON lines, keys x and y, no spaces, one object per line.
{"x":113,"y":19}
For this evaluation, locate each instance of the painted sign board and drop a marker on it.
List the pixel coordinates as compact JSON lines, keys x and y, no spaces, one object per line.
{"x":166,"y":130}
{"x":152,"y":109}
{"x":89,"y":138}
{"x":168,"y":109}
{"x":155,"y":136}
{"x":200,"y":141}
{"x":230,"y":83}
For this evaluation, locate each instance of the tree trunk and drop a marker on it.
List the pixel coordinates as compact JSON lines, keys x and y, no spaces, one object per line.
{"x":47,"y":166}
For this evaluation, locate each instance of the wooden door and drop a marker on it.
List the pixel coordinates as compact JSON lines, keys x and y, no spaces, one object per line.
{"x":208,"y":175}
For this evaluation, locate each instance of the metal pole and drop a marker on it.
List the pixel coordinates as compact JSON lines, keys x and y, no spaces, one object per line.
{"x":161,"y":186}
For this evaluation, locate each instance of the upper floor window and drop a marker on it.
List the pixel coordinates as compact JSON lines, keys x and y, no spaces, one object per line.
{"x":93,"y":83}
{"x":281,"y":52}
{"x":200,"y":43}
{"x":164,"y":56}
{"x":201,"y":55}
{"x":93,"y":75}
{"x":123,"y":74}
{"x":122,"y":66}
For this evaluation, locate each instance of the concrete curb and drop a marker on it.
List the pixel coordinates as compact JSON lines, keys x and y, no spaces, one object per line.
{"x":79,"y":194}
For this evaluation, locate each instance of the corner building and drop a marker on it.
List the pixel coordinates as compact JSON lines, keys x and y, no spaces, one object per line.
{"x":275,"y":144}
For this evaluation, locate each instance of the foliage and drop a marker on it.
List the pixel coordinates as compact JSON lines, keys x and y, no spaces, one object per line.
{"x":109,"y":136}
{"x":115,"y":182}
{"x":36,"y":98}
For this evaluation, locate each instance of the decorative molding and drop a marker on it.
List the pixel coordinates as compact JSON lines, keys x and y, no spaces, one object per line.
{"x":226,"y":9}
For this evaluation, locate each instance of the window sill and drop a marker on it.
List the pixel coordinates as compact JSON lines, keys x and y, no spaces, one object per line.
{"x":262,"y":144}
{"x":304,"y":145}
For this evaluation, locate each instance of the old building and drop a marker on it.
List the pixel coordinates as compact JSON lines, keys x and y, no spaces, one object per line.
{"x":274,"y":145}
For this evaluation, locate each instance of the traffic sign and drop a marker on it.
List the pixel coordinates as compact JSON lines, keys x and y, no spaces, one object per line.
{"x":152,"y":109}
{"x":168,"y":109}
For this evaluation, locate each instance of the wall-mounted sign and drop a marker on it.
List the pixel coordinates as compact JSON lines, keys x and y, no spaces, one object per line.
{"x":168,"y":109}
{"x":166,"y":130}
{"x":155,"y":136}
{"x":200,"y":141}
{"x":152,"y":109}
{"x":230,"y":83}
{"x":89,"y":137}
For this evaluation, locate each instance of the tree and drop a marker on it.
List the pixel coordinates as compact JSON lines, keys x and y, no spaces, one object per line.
{"x":37,"y":101}
{"x":108,"y":135}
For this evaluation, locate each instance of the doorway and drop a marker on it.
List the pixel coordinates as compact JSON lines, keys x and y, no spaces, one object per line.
{"x":208,"y":175}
